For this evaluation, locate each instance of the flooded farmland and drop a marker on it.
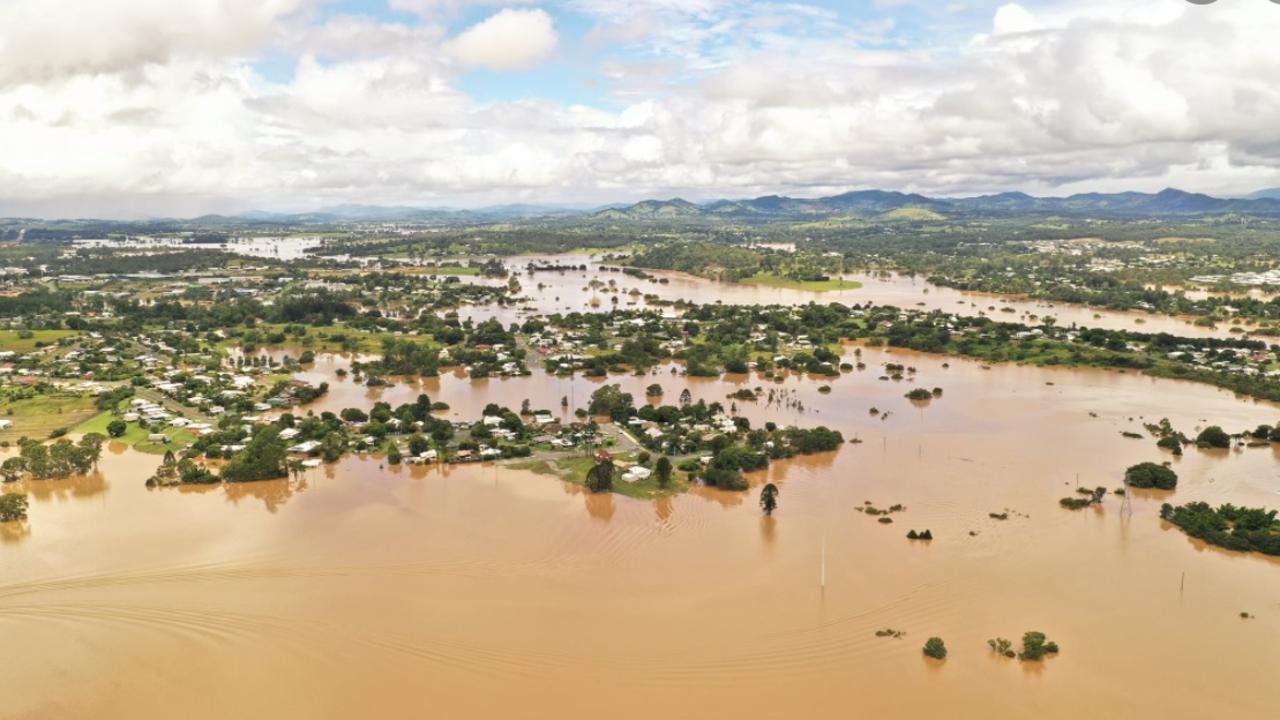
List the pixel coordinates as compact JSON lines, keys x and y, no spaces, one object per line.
{"x":564,"y":291}
{"x":487,"y":591}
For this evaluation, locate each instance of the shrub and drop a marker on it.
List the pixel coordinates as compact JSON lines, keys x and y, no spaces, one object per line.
{"x":1214,"y":437}
{"x":935,"y":648}
{"x":1151,"y":475}
{"x":1003,"y":646}
{"x":1035,"y":646}
{"x":13,"y":507}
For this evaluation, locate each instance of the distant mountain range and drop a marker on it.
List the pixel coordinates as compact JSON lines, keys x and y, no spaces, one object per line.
{"x":862,"y":204}
{"x":873,"y":203}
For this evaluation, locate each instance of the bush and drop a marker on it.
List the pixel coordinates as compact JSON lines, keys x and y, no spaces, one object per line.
{"x":1003,"y":646}
{"x":920,"y":394}
{"x":935,"y":648}
{"x":1213,"y":437}
{"x":13,"y":507}
{"x":1035,"y":646}
{"x":1151,"y":475}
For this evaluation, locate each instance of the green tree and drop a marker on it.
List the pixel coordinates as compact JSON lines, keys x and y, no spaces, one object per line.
{"x":663,"y":470}
{"x":1151,"y":475}
{"x":13,"y":507}
{"x":1035,"y":646}
{"x":1214,"y":437}
{"x":769,"y":498}
{"x":600,"y":476}
{"x":13,"y":469}
{"x":1003,"y":646}
{"x":263,"y":458}
{"x":935,"y":648}
{"x":116,"y":428}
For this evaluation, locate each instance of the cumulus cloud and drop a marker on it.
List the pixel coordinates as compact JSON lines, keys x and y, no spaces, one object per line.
{"x":509,"y":40}
{"x":42,"y":40}
{"x":1085,"y":95}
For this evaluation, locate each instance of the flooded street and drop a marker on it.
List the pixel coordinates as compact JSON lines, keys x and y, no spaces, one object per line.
{"x":485,"y":591}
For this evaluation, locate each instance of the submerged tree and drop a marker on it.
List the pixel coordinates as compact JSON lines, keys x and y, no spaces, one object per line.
{"x":769,"y":498}
{"x":935,"y":648}
{"x":13,"y":507}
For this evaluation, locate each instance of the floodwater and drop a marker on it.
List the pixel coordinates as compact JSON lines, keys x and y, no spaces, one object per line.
{"x":484,"y":591}
{"x":571,"y":291}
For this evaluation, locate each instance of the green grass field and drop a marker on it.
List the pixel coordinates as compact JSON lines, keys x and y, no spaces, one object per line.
{"x":136,"y":435}
{"x":9,"y":339}
{"x":573,"y":469}
{"x":776,"y":281}
{"x":37,"y":417}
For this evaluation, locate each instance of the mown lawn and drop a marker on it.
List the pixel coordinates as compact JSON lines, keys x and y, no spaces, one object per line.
{"x":136,"y":435}
{"x":573,"y":469}
{"x":37,"y":417}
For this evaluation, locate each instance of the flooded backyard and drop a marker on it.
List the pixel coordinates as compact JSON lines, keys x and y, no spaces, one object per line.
{"x":487,"y":591}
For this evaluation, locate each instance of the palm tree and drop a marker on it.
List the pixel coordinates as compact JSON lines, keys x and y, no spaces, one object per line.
{"x":769,"y":498}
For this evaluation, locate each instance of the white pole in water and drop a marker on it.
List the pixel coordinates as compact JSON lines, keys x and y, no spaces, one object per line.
{"x":824,"y":564}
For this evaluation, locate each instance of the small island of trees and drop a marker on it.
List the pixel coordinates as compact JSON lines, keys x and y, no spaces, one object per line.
{"x":1151,"y":475}
{"x":1235,"y":528}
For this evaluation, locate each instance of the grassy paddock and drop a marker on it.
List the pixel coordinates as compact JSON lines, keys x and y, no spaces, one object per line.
{"x":38,"y":416}
{"x":777,"y":281}
{"x":573,"y":469}
{"x":136,"y":435}
{"x":9,"y":339}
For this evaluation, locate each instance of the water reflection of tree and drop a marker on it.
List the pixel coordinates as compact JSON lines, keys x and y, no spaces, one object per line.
{"x":768,"y":531}
{"x":664,"y":508}
{"x":76,"y":486}
{"x":15,"y":531}
{"x":272,"y":493}
{"x":600,"y":505}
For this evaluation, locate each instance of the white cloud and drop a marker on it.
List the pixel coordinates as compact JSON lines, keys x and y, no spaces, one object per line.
{"x":1096,"y":97}
{"x":42,"y":40}
{"x":509,"y":40}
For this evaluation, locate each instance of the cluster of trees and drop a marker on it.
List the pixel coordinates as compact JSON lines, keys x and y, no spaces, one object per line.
{"x":1091,"y":496}
{"x":1034,"y":646}
{"x":263,"y":458}
{"x":185,"y":471}
{"x":1151,"y":475}
{"x":59,"y":459}
{"x":1228,"y":526}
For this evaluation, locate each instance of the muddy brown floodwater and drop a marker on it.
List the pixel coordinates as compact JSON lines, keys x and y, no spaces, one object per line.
{"x":484,"y":591}
{"x":570,"y":291}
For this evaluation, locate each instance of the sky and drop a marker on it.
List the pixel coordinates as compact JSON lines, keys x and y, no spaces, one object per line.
{"x":144,"y":108}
